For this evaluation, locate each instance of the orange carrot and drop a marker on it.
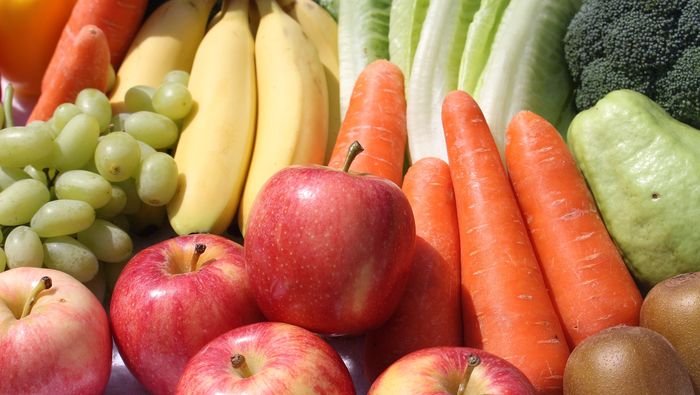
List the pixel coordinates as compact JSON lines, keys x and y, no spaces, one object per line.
{"x":588,"y":280}
{"x":506,"y":308}
{"x":82,"y":65}
{"x":429,"y":314}
{"x":118,"y":19}
{"x":376,"y":117}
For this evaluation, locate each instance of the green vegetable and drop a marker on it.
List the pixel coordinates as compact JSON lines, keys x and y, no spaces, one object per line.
{"x":405,"y":24}
{"x":434,"y":73}
{"x":643,"y":168}
{"x":363,"y":30}
{"x":652,"y":47}
{"x":479,"y":40}
{"x":526,"y":69}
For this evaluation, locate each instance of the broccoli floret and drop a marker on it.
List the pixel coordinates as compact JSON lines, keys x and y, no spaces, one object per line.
{"x":600,"y":76}
{"x":649,"y":46}
{"x":677,"y":93}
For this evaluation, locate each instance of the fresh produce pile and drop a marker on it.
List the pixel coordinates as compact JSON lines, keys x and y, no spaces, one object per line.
{"x":486,"y":196}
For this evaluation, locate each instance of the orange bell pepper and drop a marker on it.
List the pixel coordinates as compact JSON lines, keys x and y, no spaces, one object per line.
{"x":29,"y":31}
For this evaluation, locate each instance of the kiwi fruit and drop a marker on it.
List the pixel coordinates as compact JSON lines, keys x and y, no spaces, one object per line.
{"x":672,"y":308}
{"x":626,"y":360}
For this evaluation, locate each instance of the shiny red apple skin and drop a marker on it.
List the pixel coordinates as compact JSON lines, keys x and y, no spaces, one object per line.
{"x":161,"y":318}
{"x":283,"y":359}
{"x":439,"y":370}
{"x":63,"y":346}
{"x":329,"y":251}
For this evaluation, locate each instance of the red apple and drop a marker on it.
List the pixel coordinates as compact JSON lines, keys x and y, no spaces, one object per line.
{"x":174,"y":297}
{"x":60,"y":343}
{"x":266,"y":358}
{"x":451,"y":371}
{"x":329,"y":250}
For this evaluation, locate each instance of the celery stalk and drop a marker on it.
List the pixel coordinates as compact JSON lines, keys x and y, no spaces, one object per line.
{"x":363,"y":37}
{"x":405,"y":23}
{"x":434,"y":73}
{"x":526,"y":69}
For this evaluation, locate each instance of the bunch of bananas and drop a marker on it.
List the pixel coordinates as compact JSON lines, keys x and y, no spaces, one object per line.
{"x":264,"y":81}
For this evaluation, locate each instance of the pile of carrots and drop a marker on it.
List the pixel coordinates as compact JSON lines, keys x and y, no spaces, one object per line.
{"x":92,"y":44}
{"x":513,"y":259}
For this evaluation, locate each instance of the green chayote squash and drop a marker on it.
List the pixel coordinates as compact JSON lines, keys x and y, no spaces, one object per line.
{"x":643,"y":168}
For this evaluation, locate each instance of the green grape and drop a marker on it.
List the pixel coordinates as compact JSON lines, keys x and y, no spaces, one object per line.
{"x":47,"y":127}
{"x":133,"y":202}
{"x":3,"y":257}
{"x":107,"y":241}
{"x":70,"y":256}
{"x":157,"y":179}
{"x":62,"y":114}
{"x":118,"y":122}
{"x":116,"y":204}
{"x":23,"y":145}
{"x":9,"y":175}
{"x":146,"y":150}
{"x":62,"y":217}
{"x":84,"y":185}
{"x":2,"y":119}
{"x":154,"y":129}
{"x":180,"y":76}
{"x":94,"y":102}
{"x":173,"y":100}
{"x":111,"y":77}
{"x":2,"y":237}
{"x":36,"y":174}
{"x":90,"y":165}
{"x":23,"y":248}
{"x":76,"y":143}
{"x":138,"y":98}
{"x":21,"y":200}
{"x":117,"y":156}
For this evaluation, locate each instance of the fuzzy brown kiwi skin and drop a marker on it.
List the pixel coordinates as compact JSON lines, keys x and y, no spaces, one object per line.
{"x":672,"y":308}
{"x":626,"y":360}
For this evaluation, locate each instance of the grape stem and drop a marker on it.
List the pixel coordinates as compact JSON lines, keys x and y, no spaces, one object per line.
{"x":7,"y":105}
{"x":43,"y":284}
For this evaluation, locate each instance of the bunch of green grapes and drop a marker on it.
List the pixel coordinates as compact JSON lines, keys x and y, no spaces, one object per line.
{"x":69,"y":186}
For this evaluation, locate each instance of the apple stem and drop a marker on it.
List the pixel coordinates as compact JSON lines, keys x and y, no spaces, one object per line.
{"x":238,"y":362}
{"x":44,"y":283}
{"x":473,"y":361}
{"x":199,"y":249}
{"x":354,"y":150}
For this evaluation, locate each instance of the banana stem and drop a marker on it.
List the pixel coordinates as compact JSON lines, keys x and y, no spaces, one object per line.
{"x":7,"y":105}
{"x":44,"y":283}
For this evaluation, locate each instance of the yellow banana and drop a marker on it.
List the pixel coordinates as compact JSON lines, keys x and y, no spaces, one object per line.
{"x":320,"y":27}
{"x":167,"y":41}
{"x":214,"y":149}
{"x":292,"y":102}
